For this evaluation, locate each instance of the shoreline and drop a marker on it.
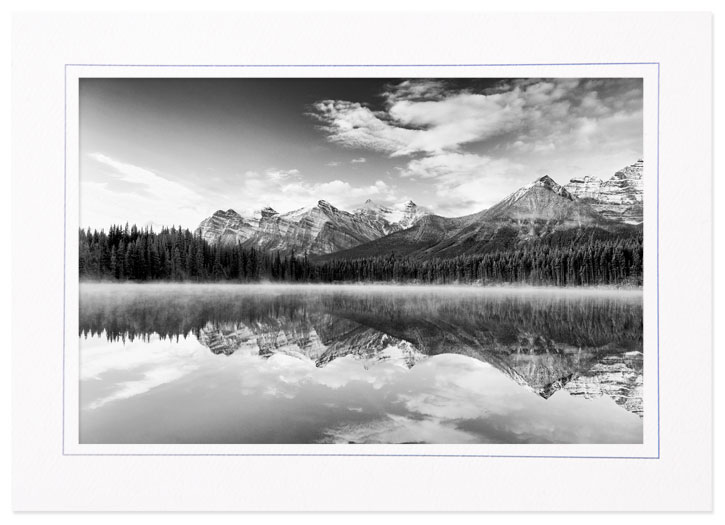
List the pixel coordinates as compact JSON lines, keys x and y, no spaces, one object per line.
{"x":360,"y":286}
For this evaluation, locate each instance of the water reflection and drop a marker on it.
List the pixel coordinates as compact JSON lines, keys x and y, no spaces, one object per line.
{"x":415,"y":365}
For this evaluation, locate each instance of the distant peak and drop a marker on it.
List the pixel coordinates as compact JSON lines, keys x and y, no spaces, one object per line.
{"x":410,"y":204}
{"x":548,"y":183}
{"x":545,"y":180}
{"x":324,"y":205}
{"x":268,"y":211}
{"x":229,"y":212}
{"x":371,"y":205}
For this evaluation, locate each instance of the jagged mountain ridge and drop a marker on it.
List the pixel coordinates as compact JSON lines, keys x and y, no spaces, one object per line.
{"x":320,"y":229}
{"x":542,"y":208}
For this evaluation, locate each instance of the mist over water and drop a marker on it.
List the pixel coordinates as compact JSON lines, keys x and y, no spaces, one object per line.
{"x":365,"y":364}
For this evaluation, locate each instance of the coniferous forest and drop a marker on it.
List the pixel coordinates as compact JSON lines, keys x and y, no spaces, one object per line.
{"x":174,"y":254}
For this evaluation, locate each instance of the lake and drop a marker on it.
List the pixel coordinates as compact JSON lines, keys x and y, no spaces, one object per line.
{"x":163,"y":363}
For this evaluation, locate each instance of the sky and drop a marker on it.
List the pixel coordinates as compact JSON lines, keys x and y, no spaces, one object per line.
{"x":172,"y":151}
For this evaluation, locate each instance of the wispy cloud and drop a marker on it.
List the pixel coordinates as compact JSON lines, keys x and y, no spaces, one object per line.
{"x":359,"y":160}
{"x":464,"y":182}
{"x":153,"y":200}
{"x":135,"y":192}
{"x":294,"y":190}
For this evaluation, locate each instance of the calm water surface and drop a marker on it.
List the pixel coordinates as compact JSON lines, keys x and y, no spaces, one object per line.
{"x":358,"y":364}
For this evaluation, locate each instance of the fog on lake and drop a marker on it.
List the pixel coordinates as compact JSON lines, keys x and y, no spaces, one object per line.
{"x":163,"y":363}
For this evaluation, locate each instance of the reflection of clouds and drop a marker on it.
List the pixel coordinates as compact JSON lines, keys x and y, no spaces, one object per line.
{"x":291,"y":374}
{"x":458,"y":387}
{"x":141,"y":365}
{"x":400,"y":429}
{"x":443,"y":399}
{"x":151,"y":379}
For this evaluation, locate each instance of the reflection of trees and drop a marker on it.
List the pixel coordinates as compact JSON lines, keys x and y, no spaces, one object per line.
{"x":532,"y":323}
{"x":542,"y":341}
{"x":176,"y":314}
{"x":435,"y":322}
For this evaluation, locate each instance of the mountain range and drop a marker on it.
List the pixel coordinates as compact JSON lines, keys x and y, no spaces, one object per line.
{"x":320,"y":229}
{"x":585,"y":206}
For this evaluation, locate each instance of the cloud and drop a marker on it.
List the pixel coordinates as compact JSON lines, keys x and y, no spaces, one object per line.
{"x":428,"y":117}
{"x":253,"y":190}
{"x":281,"y":175}
{"x":138,"y":366}
{"x":338,"y":192}
{"x":133,"y":192}
{"x":464,"y":182}
{"x":353,"y":125}
{"x":418,"y":89}
{"x":149,"y":199}
{"x":359,"y":160}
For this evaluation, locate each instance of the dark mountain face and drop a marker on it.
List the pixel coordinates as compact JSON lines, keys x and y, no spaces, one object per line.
{"x":427,"y":232}
{"x":543,"y":200}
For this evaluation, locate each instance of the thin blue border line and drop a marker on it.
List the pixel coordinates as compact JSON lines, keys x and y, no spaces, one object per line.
{"x":65,"y":167}
{"x":65,"y":227}
{"x":366,"y":65}
{"x":658,"y":261}
{"x":375,"y":455}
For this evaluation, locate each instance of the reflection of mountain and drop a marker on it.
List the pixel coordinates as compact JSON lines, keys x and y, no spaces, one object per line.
{"x":340,"y":339}
{"x":589,"y":346}
{"x":616,"y":376}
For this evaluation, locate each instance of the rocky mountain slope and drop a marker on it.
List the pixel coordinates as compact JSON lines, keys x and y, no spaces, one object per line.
{"x":317,"y":230}
{"x":618,"y":198}
{"x":394,"y":218}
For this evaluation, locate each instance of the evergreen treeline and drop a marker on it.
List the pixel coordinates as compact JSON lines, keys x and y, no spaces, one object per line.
{"x":175,"y":254}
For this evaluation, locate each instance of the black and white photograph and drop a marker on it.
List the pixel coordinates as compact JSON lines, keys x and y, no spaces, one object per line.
{"x":361,"y":260}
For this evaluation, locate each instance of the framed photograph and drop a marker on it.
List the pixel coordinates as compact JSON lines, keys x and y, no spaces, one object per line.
{"x":340,"y":267}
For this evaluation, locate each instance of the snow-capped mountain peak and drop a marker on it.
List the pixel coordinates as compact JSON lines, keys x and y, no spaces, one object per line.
{"x":318,"y":229}
{"x":399,"y":216}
